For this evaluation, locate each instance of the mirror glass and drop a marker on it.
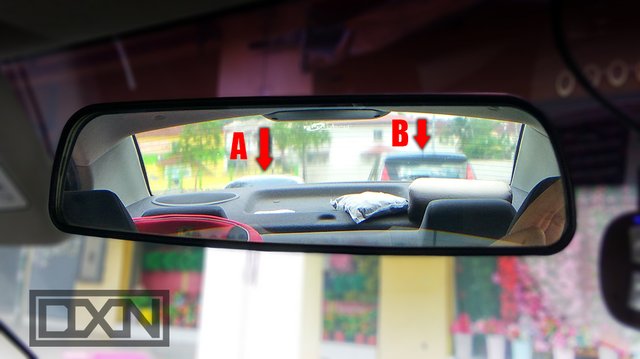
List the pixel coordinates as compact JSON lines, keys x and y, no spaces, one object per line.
{"x":374,"y":175}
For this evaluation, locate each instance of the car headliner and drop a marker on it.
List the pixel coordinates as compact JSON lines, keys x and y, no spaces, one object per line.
{"x":31,"y":27}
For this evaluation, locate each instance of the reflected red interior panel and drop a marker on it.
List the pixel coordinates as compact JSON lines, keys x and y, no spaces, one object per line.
{"x":197,"y":226}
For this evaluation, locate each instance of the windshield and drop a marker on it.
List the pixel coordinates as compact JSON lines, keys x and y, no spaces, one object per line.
{"x":219,"y":153}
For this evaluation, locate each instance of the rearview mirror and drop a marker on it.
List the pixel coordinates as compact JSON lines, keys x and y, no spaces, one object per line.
{"x":435,"y":174}
{"x":619,"y":269}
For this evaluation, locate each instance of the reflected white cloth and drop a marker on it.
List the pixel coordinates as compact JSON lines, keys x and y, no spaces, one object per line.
{"x":365,"y":205}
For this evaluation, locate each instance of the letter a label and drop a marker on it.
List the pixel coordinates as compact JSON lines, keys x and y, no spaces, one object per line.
{"x":238,"y":147}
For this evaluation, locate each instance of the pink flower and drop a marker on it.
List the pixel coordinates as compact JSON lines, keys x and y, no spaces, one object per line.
{"x":462,"y":324}
{"x":490,"y":326}
{"x":513,"y":332}
{"x":342,"y":262}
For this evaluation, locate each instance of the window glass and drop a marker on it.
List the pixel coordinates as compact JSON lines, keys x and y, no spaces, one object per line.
{"x":220,"y":153}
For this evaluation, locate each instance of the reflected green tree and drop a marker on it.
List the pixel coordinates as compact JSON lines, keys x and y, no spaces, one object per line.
{"x":481,"y":139}
{"x":199,"y":145}
{"x":298,"y":138}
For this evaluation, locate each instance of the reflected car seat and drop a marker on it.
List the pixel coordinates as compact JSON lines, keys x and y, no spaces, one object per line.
{"x":535,"y":192}
{"x":541,"y":219}
{"x":98,"y":209}
{"x":489,"y":218}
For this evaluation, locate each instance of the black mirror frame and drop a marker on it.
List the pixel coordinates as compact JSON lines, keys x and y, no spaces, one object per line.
{"x":80,"y":119}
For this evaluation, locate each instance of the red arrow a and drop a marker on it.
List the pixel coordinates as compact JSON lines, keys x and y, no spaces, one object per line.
{"x":264,"y":160}
{"x":422,"y":137}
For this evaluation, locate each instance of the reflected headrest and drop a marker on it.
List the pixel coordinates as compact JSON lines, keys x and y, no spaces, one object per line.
{"x":480,"y":217}
{"x":424,"y":190}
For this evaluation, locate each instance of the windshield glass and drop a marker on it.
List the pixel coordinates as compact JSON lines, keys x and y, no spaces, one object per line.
{"x":222,"y":153}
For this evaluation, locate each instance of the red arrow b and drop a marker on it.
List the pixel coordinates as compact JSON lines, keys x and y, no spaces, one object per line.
{"x":264,"y":159}
{"x":422,"y":137}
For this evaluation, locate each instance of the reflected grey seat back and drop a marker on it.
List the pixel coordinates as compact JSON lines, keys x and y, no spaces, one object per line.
{"x":99,"y":209}
{"x":424,"y":190}
{"x":479,"y":217}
